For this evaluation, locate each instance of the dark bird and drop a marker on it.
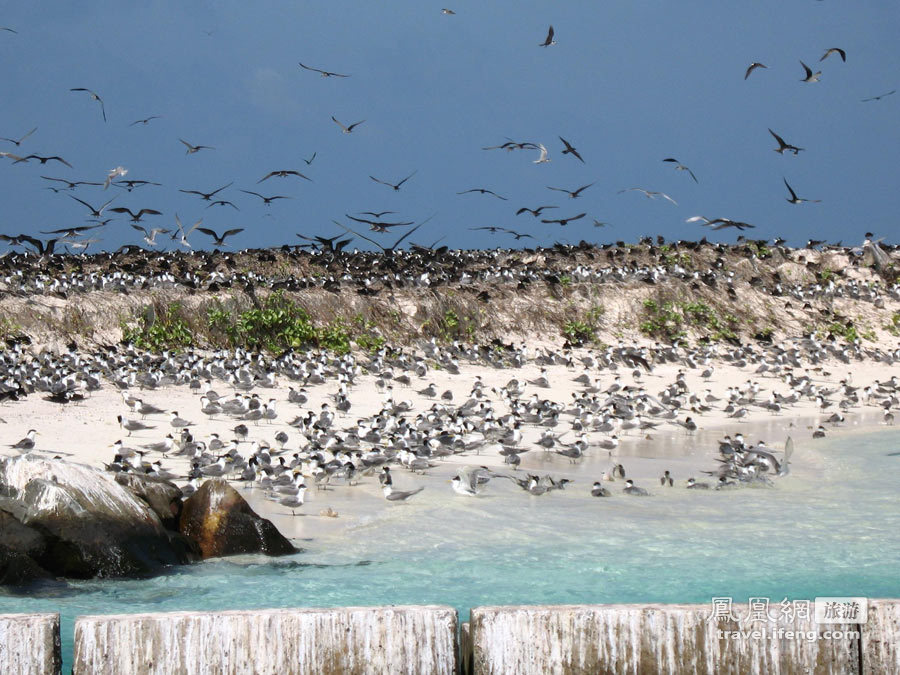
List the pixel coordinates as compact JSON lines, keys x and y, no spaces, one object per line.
{"x":206,"y":196}
{"x":346,"y":130}
{"x":310,"y":160}
{"x":43,"y":160}
{"x":132,"y":184}
{"x":392,"y":185}
{"x":563,"y":221}
{"x":375,"y":214}
{"x":834,"y":50}
{"x":753,"y":66}
{"x":191,"y":149}
{"x":95,"y":97}
{"x":794,"y":199}
{"x":332,"y":244}
{"x":18,"y":142}
{"x":572,"y":193}
{"x":535,"y":212}
{"x":549,"y":39}
{"x":283,"y":174}
{"x":96,"y":213}
{"x":378,"y":226}
{"x":40,"y":246}
{"x":223,"y":202}
{"x":324,"y":73}
{"x":810,"y":76}
{"x":136,"y":217}
{"x":219,"y":240}
{"x":782,"y":146}
{"x":493,"y":229}
{"x":879,"y":97}
{"x":70,"y":184}
{"x":9,"y":30}
{"x":569,"y":149}
{"x":146,"y":120}
{"x":73,"y":231}
{"x":266,"y":200}
{"x":681,"y":167}
{"x":482,"y":191}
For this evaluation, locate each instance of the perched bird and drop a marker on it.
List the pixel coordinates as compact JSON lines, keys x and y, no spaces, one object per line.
{"x":27,"y":443}
{"x":597,"y":490}
{"x":666,"y":480}
{"x":631,"y":489}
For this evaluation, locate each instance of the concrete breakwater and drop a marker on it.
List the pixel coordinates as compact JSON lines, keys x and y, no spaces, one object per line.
{"x":424,"y":639}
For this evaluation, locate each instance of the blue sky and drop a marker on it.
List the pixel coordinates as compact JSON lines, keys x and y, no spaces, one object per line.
{"x":628,"y":83}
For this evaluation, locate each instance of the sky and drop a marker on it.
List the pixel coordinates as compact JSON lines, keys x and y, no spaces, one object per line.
{"x":628,"y":83}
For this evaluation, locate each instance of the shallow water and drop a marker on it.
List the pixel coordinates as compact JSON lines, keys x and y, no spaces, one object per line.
{"x":830,"y":528}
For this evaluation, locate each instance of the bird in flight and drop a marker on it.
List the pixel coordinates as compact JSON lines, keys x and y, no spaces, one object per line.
{"x":184,"y":234}
{"x":794,"y":199}
{"x":310,"y":160}
{"x":42,"y":160}
{"x":146,"y":120}
{"x":681,"y":167}
{"x":482,"y":191}
{"x":219,"y":240}
{"x":150,"y":237}
{"x":94,"y":96}
{"x":720,"y":223}
{"x":378,"y":226}
{"x":136,"y":217}
{"x":266,"y":200}
{"x":375,"y":214}
{"x":283,"y":174}
{"x":6,"y":28}
{"x":753,"y":66}
{"x":834,"y":50}
{"x":782,"y":146}
{"x":324,"y":73}
{"x":810,"y":76}
{"x":73,"y":231}
{"x":544,"y":156}
{"x":223,"y":202}
{"x":112,"y":174}
{"x":650,"y":194}
{"x":447,"y":11}
{"x":535,"y":212}
{"x":191,"y":149}
{"x":563,"y":221}
{"x":206,"y":196}
{"x":572,"y":193}
{"x":392,"y":185}
{"x":18,"y":142}
{"x":570,"y":150}
{"x":549,"y":39}
{"x":879,"y":97}
{"x":349,"y":129}
{"x":95,"y":213}
{"x":70,"y":184}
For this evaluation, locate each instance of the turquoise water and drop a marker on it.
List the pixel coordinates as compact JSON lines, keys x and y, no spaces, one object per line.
{"x":831,"y":528}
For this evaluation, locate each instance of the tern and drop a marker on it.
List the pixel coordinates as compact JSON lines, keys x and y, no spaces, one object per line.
{"x":18,"y":142}
{"x":549,"y":39}
{"x":681,"y":167}
{"x":396,"y":186}
{"x":396,"y":496}
{"x":794,"y":199}
{"x":753,"y":66}
{"x":544,"y":156}
{"x":94,"y":96}
{"x":324,"y":73}
{"x":572,"y":193}
{"x":191,"y":149}
{"x":345,"y":129}
{"x":783,"y":146}
{"x":206,"y":196}
{"x":810,"y":76}
{"x":570,"y":150}
{"x":136,"y":217}
{"x":284,"y":173}
{"x":834,"y":50}
{"x":96,"y":213}
{"x":219,"y":240}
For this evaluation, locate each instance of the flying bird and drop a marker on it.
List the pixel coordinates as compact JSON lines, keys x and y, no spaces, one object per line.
{"x":650,"y":194}
{"x":570,"y":150}
{"x":219,"y":240}
{"x":720,"y":223}
{"x":119,"y":171}
{"x":810,"y":76}
{"x":753,"y":66}
{"x":375,"y":214}
{"x":42,"y":160}
{"x":349,"y":129}
{"x":392,"y":185}
{"x":266,"y":200}
{"x":782,"y":146}
{"x":206,"y":196}
{"x":834,"y":50}
{"x":482,"y":191}
{"x":544,"y":157}
{"x":18,"y":142}
{"x":96,"y":213}
{"x":310,"y":160}
{"x":136,"y":217}
{"x":794,"y":199}
{"x":535,"y":212}
{"x":191,"y":149}
{"x":181,"y":230}
{"x":324,"y":73}
{"x":378,"y":226}
{"x":549,"y":39}
{"x":223,"y":202}
{"x":73,"y":231}
{"x":681,"y":167}
{"x":563,"y":221}
{"x":70,"y":184}
{"x":283,"y":174}
{"x":94,"y":96}
{"x":146,"y":120}
{"x":879,"y":97}
{"x":150,"y":237}
{"x":573,"y":194}
{"x":447,"y":11}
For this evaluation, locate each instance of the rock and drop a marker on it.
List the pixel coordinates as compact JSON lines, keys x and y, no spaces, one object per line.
{"x":163,"y":496}
{"x":222,"y":523}
{"x":21,"y":549}
{"x":91,"y":526}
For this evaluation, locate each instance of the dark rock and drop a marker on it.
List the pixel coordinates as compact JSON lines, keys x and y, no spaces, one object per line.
{"x":163,"y":496}
{"x":222,"y":523}
{"x":20,"y":549}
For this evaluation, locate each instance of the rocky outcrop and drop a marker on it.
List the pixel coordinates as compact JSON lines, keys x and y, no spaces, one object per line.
{"x":163,"y":496}
{"x":222,"y":523}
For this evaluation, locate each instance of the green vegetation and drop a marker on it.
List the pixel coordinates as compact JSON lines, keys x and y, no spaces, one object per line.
{"x":9,"y":328}
{"x":581,"y":330}
{"x":156,"y":331}
{"x":669,"y":320}
{"x":894,"y":326}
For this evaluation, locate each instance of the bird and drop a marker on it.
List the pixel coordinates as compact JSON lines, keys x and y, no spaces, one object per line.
{"x":178,"y":422}
{"x":631,"y":489}
{"x":378,"y":226}
{"x":534,"y":212}
{"x":73,"y":231}
{"x":597,"y":490}
{"x":206,"y":196}
{"x":96,"y":213}
{"x":324,"y":73}
{"x":810,"y":76}
{"x":396,"y":187}
{"x":70,"y":184}
{"x":41,"y":159}
{"x":310,"y":160}
{"x":482,"y":191}
{"x":284,"y":173}
{"x":720,"y":223}
{"x":191,"y":149}
{"x":349,"y":129}
{"x":563,"y":221}
{"x":570,"y":150}
{"x":447,"y":11}
{"x":132,"y":425}
{"x":184,"y":233}
{"x":18,"y":142}
{"x":136,"y":217}
{"x":150,"y":236}
{"x":396,"y":496}
{"x":94,"y":96}
{"x":753,"y":66}
{"x":834,"y":50}
{"x":549,"y":39}
{"x":782,"y":146}
{"x":681,"y":167}
{"x":219,"y":240}
{"x":112,"y":174}
{"x":146,"y":120}
{"x":879,"y":97}
{"x":544,"y":155}
{"x":572,"y":193}
{"x":794,"y":199}
{"x":27,"y":443}
{"x":666,"y":479}
{"x":650,"y":194}
{"x":266,"y":200}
